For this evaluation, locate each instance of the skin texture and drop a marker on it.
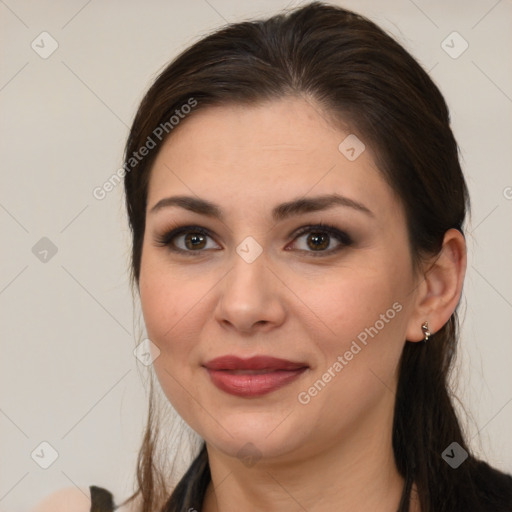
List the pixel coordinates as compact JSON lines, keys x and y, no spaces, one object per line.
{"x":69,"y":499}
{"x":73,"y":499}
{"x":333,"y":453}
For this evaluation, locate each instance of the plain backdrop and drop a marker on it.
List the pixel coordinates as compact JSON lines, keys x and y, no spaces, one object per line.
{"x":68,"y":374}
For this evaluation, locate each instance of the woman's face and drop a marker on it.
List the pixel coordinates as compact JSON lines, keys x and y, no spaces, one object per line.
{"x":253,"y":285}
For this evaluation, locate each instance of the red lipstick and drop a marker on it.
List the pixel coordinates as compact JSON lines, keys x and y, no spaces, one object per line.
{"x":252,"y":377}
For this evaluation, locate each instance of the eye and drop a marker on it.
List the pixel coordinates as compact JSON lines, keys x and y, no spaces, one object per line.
{"x":186,"y":239}
{"x":320,"y":237}
{"x":193,"y":240}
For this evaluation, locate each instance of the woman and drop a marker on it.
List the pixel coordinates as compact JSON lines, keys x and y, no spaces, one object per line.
{"x":297,"y":207}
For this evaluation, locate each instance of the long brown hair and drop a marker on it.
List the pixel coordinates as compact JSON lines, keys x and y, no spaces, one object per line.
{"x":362,"y":77}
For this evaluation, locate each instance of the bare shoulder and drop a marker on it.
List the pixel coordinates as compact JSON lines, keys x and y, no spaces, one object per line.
{"x":73,"y":499}
{"x":69,"y":499}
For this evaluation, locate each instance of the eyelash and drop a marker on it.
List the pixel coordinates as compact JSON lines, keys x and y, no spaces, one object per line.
{"x":165,"y":240}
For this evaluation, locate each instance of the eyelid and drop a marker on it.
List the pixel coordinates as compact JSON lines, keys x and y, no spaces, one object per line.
{"x":328,"y":228}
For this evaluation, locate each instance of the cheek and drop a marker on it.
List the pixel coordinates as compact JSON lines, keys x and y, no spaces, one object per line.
{"x":165,"y":299}
{"x":363,"y":320}
{"x":175,"y":306}
{"x":170,"y":308}
{"x":355,"y":301}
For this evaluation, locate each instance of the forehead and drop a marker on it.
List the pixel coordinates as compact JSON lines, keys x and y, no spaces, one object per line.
{"x":264,"y":153}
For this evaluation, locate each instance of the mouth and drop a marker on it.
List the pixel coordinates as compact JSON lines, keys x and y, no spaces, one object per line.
{"x":253,"y":377}
{"x":257,"y":363}
{"x":250,"y":372}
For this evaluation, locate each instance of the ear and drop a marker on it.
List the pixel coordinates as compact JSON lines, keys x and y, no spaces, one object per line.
{"x":440,"y":287}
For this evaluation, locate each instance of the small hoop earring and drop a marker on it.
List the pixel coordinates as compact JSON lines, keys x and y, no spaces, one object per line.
{"x":426,"y":332}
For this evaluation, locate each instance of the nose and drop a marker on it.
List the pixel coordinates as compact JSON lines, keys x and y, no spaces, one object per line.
{"x":250,"y":297}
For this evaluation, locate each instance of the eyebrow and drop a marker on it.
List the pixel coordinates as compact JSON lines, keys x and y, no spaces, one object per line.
{"x":279,"y":212}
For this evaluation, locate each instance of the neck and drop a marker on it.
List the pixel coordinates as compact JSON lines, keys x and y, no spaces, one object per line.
{"x":357,"y":474}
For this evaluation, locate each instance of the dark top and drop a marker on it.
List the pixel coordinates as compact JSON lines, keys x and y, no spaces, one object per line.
{"x":101,"y":500}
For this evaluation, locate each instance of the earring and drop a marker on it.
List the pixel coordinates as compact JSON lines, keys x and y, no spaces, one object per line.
{"x":426,"y":332}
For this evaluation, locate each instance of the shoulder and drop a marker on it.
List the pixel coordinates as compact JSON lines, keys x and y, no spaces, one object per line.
{"x":69,"y":499}
{"x":73,"y":499}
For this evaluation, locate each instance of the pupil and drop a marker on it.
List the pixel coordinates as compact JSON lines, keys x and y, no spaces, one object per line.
{"x":317,"y":238}
{"x":194,"y":240}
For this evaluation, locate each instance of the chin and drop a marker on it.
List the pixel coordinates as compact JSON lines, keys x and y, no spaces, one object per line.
{"x":253,"y":435}
{"x":250,"y":447}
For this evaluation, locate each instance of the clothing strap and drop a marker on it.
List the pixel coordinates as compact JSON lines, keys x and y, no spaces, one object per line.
{"x":101,"y":500}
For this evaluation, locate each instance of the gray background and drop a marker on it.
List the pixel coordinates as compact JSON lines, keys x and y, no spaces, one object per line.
{"x":68,"y":328}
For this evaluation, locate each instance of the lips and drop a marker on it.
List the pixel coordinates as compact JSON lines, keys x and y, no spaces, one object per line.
{"x":252,"y":377}
{"x":253,"y":363}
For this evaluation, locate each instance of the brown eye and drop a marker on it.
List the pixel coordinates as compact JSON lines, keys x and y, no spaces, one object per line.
{"x":190,"y":240}
{"x":320,"y":240}
{"x":195,"y":241}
